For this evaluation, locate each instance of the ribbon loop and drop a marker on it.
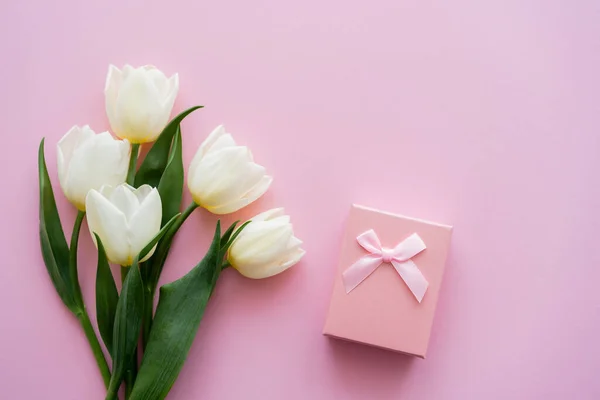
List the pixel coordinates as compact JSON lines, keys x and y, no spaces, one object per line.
{"x":409,"y":247}
{"x":369,"y":241}
{"x":400,"y":257}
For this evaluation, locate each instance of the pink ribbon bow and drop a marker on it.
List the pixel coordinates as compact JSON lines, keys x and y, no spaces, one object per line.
{"x":399,"y":257}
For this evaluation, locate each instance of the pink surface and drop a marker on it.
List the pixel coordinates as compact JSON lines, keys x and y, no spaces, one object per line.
{"x":480,"y":114}
{"x":382,"y":311}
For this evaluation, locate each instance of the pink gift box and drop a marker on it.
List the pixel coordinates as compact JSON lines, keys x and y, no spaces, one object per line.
{"x":382,"y":311}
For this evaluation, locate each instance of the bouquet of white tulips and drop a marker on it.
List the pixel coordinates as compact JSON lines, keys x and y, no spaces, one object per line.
{"x":133,"y":217}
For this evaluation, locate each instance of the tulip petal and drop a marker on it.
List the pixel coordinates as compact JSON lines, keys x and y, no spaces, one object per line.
{"x":145,"y":223}
{"x":252,"y":195}
{"x":222,"y":176}
{"x":222,"y":142}
{"x":158,"y":78}
{"x":203,"y":149}
{"x":125,"y":200}
{"x":127,"y":70}
{"x":171,"y":92}
{"x":258,"y":189}
{"x":294,"y":243}
{"x":142,"y":192}
{"x":217,"y":172}
{"x":114,"y":79}
{"x":269,"y":214}
{"x":275,"y":269}
{"x":286,"y":260}
{"x":110,"y":225}
{"x":139,"y":114}
{"x":259,"y":244}
{"x":228,"y":208}
{"x":65,"y":148}
{"x":225,"y":177}
{"x":99,"y":160}
{"x":284,"y":219}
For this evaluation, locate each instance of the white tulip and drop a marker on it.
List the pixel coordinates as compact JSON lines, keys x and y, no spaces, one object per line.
{"x":88,"y":161}
{"x":125,"y":219}
{"x":266,"y":246}
{"x":223,"y":177}
{"x":139,"y":101}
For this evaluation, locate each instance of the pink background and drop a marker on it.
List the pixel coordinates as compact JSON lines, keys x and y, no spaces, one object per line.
{"x":479,"y":114}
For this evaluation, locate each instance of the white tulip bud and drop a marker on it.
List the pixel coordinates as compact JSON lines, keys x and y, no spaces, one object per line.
{"x":266,"y":246}
{"x":88,"y":161}
{"x":125,"y":219}
{"x":139,"y":101}
{"x":223,"y":176}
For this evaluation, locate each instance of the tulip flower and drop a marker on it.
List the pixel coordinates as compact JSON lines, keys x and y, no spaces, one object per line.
{"x":125,"y":219}
{"x":223,"y":176}
{"x":88,"y":161}
{"x":266,"y":246}
{"x":139,"y":101}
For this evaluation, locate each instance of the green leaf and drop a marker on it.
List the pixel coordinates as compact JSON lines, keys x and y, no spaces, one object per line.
{"x":107,"y":297}
{"x":235,"y":235}
{"x":153,"y":268}
{"x":55,"y":250}
{"x":180,"y":309}
{"x":170,"y":186}
{"x":156,"y":263}
{"x":228,"y":233}
{"x":156,"y":160}
{"x":158,"y":236}
{"x":128,"y":323}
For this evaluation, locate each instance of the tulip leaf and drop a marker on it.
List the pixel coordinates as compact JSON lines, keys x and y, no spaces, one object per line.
{"x":170,"y":186}
{"x":158,"y":236}
{"x":156,"y":160}
{"x":155,"y":265}
{"x":235,"y":235}
{"x":228,"y":233}
{"x":127,"y":326}
{"x":180,"y":308}
{"x":107,"y":297}
{"x":55,"y":250}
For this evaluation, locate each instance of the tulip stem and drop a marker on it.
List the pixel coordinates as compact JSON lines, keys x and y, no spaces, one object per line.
{"x":131,"y":369}
{"x":135,"y":147}
{"x":90,"y":334}
{"x":81,"y":313}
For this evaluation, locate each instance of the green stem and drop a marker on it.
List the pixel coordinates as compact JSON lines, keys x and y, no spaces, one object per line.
{"x":135,"y":147}
{"x":112,"y":393}
{"x":157,"y":265}
{"x":84,"y":319}
{"x":131,"y":369}
{"x":82,"y":314}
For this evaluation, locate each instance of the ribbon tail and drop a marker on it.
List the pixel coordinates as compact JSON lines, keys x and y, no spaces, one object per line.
{"x":412,"y":276}
{"x":359,"y":271}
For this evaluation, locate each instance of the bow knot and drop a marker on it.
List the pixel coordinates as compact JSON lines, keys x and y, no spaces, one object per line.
{"x":400,"y":257}
{"x":387,"y":255}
